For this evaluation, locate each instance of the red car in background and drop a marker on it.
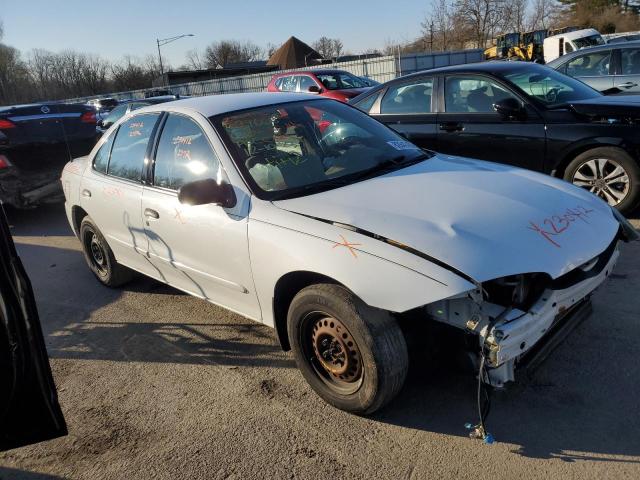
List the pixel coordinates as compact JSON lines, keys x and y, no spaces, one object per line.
{"x":336,"y":84}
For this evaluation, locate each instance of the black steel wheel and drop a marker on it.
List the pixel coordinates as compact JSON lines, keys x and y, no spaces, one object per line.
{"x":99,"y":256}
{"x":354,"y":356}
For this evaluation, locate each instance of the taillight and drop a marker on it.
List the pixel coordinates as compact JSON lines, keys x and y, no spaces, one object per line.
{"x":6,"y":124}
{"x":4,"y":162}
{"x":88,"y":117}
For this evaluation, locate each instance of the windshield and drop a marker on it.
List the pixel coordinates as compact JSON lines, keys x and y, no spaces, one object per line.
{"x":340,"y":81}
{"x":297,"y":148}
{"x":551,"y":87}
{"x":589,"y":41}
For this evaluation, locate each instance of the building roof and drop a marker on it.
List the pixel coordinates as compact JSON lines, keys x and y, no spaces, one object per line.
{"x":294,"y":53}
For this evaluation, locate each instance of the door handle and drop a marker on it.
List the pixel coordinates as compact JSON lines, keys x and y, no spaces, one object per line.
{"x":628,"y":85}
{"x":452,"y":127}
{"x":149,"y":213}
{"x":86,"y":193}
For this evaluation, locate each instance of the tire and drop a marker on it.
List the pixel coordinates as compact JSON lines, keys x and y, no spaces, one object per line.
{"x":609,"y":172}
{"x":100,"y":258}
{"x":353,"y":356}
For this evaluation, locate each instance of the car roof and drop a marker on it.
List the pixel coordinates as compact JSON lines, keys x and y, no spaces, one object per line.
{"x":596,"y":48}
{"x":212,"y":105}
{"x":315,"y":71}
{"x":495,"y":66}
{"x":576,"y":34}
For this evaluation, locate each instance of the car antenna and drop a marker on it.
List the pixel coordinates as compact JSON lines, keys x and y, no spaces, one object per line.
{"x":64,"y":133}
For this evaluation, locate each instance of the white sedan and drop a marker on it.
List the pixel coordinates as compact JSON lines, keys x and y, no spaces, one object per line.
{"x":307,"y":215}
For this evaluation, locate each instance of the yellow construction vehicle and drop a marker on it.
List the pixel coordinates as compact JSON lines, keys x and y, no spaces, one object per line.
{"x":508,"y":46}
{"x":527,"y":46}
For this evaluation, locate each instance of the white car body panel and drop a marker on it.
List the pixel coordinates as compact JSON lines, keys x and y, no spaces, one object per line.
{"x":428,"y":234}
{"x":464,"y":212}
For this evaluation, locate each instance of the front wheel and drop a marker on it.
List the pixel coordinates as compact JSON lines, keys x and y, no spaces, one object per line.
{"x":609,"y":173}
{"x":353,"y":356}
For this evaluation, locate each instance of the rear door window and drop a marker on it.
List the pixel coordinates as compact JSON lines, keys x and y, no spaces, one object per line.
{"x":630,"y":61}
{"x":407,"y":98}
{"x":130,"y":146}
{"x":289,"y":84}
{"x":184,"y":154}
{"x":594,"y":64}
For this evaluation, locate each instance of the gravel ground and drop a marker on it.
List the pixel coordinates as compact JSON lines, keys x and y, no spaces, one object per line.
{"x":157,"y":384}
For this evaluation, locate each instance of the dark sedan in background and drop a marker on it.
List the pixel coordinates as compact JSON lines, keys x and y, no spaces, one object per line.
{"x":522,"y":114}
{"x":605,"y":67}
{"x":36,"y":141}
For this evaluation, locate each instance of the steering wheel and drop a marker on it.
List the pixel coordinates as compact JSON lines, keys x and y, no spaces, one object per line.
{"x":552,"y":95}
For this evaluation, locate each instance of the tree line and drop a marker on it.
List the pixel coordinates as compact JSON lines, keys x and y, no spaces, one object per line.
{"x":45,"y":75}
{"x":449,"y":25}
{"x":459,"y":24}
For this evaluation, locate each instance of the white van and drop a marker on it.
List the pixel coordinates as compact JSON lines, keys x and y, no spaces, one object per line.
{"x":558,"y":45}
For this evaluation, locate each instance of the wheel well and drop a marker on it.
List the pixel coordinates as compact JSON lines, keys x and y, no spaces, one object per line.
{"x":77,"y":215}
{"x":286,"y":288}
{"x":562,"y":165}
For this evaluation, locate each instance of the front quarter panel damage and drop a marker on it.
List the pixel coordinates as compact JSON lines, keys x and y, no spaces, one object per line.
{"x":378,"y":281}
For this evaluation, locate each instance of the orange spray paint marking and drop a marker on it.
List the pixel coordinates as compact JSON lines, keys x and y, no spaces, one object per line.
{"x":178,"y":216}
{"x":348,"y":245}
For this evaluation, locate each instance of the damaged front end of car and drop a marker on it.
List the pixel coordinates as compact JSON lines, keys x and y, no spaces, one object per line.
{"x":517,"y":320}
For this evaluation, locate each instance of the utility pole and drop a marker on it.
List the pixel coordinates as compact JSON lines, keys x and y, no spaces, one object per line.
{"x":163,"y":41}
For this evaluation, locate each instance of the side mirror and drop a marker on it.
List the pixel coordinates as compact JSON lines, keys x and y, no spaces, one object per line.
{"x":510,"y":108}
{"x":208,"y":191}
{"x":314,"y":89}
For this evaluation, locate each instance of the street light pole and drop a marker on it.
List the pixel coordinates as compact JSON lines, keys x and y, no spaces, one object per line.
{"x":160,"y":58}
{"x":163,"y":41}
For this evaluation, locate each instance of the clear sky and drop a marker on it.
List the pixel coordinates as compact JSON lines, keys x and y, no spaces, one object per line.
{"x":114,"y":28}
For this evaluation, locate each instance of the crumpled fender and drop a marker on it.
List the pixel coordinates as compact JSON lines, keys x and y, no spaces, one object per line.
{"x":382,"y":275}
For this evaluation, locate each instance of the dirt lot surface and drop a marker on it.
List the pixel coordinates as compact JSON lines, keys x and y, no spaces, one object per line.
{"x":157,"y":384}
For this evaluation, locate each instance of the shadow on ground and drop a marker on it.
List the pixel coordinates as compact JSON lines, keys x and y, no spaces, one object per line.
{"x":15,"y":474}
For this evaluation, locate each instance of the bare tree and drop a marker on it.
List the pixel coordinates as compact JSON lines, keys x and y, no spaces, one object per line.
{"x":515,"y":16}
{"x":328,"y":47}
{"x":195,"y":60}
{"x":543,"y":13}
{"x":225,"y":52}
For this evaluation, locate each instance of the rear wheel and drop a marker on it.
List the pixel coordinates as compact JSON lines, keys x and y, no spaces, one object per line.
{"x":100,"y":258}
{"x":353,"y":356}
{"x":609,"y":173}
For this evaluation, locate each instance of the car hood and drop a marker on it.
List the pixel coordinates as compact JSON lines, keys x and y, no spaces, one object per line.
{"x":483,"y":219}
{"x":611,"y":105}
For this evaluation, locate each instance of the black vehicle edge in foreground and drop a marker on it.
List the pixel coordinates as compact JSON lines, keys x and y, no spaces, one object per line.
{"x":29,"y":408}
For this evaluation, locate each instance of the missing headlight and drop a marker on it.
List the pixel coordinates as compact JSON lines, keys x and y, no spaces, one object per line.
{"x":518,"y":291}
